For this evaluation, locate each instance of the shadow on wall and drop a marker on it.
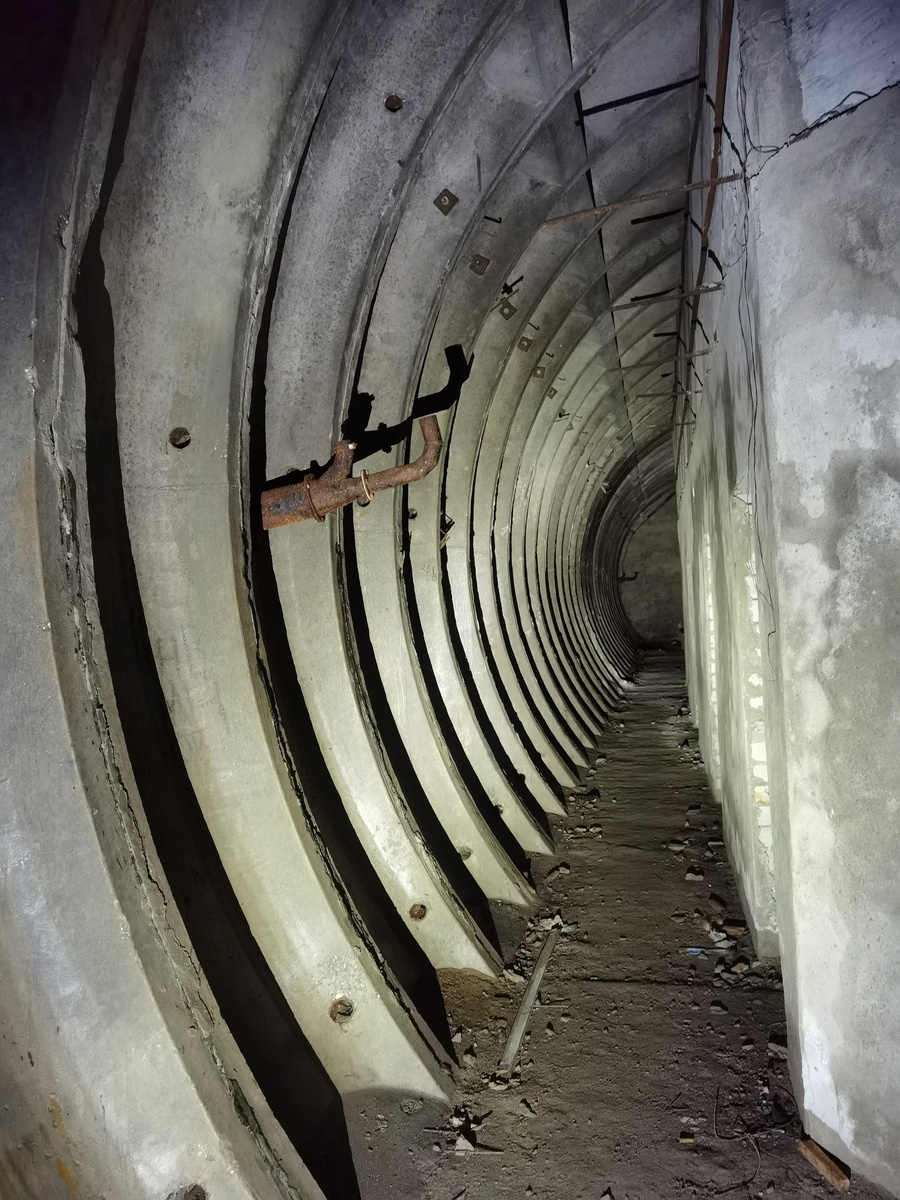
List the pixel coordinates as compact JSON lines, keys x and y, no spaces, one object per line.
{"x":650,"y":579}
{"x":384,"y":437}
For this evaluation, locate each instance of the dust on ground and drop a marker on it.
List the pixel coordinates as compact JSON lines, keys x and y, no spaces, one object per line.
{"x":654,"y":1064}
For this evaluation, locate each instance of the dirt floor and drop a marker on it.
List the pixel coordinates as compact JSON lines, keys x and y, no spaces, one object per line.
{"x":653,"y":1064}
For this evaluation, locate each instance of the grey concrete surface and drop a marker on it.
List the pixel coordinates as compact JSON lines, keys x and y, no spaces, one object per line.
{"x":112,"y":1038}
{"x":271,"y":800}
{"x":650,"y":577}
{"x":788,"y":517}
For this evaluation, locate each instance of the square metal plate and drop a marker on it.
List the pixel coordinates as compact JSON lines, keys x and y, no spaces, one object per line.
{"x":446,"y":201}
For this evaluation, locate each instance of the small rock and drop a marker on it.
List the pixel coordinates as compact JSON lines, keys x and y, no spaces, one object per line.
{"x":739,"y":967}
{"x":717,"y":904}
{"x":694,"y":875}
{"x":457,"y":1036}
{"x":678,"y":918}
{"x":410,"y":1105}
{"x":733,"y":929}
{"x":678,"y":846}
{"x":469,"y":1056}
{"x":718,"y":1007}
{"x":463,"y":1145}
{"x":555,"y":872}
{"x":527,"y":1110}
{"x":777,"y":1045}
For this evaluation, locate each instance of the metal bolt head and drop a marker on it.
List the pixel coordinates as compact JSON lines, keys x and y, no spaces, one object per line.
{"x":479,"y":264}
{"x":539,"y":371}
{"x":446,"y":201}
{"x":341,"y":1010}
{"x":551,"y":392}
{"x":507,"y":310}
{"x":524,"y":343}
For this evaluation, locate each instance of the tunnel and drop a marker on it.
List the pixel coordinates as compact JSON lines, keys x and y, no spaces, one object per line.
{"x":449,"y":441}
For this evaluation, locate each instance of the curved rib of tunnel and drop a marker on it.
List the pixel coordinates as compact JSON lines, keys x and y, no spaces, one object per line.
{"x":323,"y":760}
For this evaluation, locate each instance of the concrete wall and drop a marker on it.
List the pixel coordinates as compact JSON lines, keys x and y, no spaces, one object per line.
{"x":650,"y":577}
{"x":789,"y":511}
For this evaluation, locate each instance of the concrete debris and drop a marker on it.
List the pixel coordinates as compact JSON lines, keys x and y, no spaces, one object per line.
{"x":695,"y":875}
{"x":777,"y":1045}
{"x":717,"y":904}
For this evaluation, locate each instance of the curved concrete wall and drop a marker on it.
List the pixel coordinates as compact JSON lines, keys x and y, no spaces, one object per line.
{"x":300,"y":773}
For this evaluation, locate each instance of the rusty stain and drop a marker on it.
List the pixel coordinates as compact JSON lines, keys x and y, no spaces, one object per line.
{"x":58,"y":1122}
{"x":314,"y":498}
{"x":65,"y":1174}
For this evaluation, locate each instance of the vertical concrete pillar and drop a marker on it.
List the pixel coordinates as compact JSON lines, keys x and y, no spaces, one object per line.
{"x":799,"y":422}
{"x":829,"y":270}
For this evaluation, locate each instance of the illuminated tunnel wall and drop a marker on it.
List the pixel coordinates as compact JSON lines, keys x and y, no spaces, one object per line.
{"x":310,"y":765}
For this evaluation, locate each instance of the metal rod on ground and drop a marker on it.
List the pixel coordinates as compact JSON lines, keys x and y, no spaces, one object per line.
{"x":659,"y":195}
{"x":517,"y":1032}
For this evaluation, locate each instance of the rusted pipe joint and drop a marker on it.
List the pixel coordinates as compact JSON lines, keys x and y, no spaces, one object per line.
{"x":313,"y":499}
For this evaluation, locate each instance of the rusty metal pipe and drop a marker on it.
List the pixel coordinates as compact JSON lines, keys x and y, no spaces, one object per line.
{"x":312,"y":499}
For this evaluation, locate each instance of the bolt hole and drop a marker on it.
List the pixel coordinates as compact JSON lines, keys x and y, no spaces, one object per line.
{"x":465,"y":852}
{"x":418,"y":911}
{"x":180,"y":437}
{"x":393,"y":103}
{"x":341,"y":1010}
